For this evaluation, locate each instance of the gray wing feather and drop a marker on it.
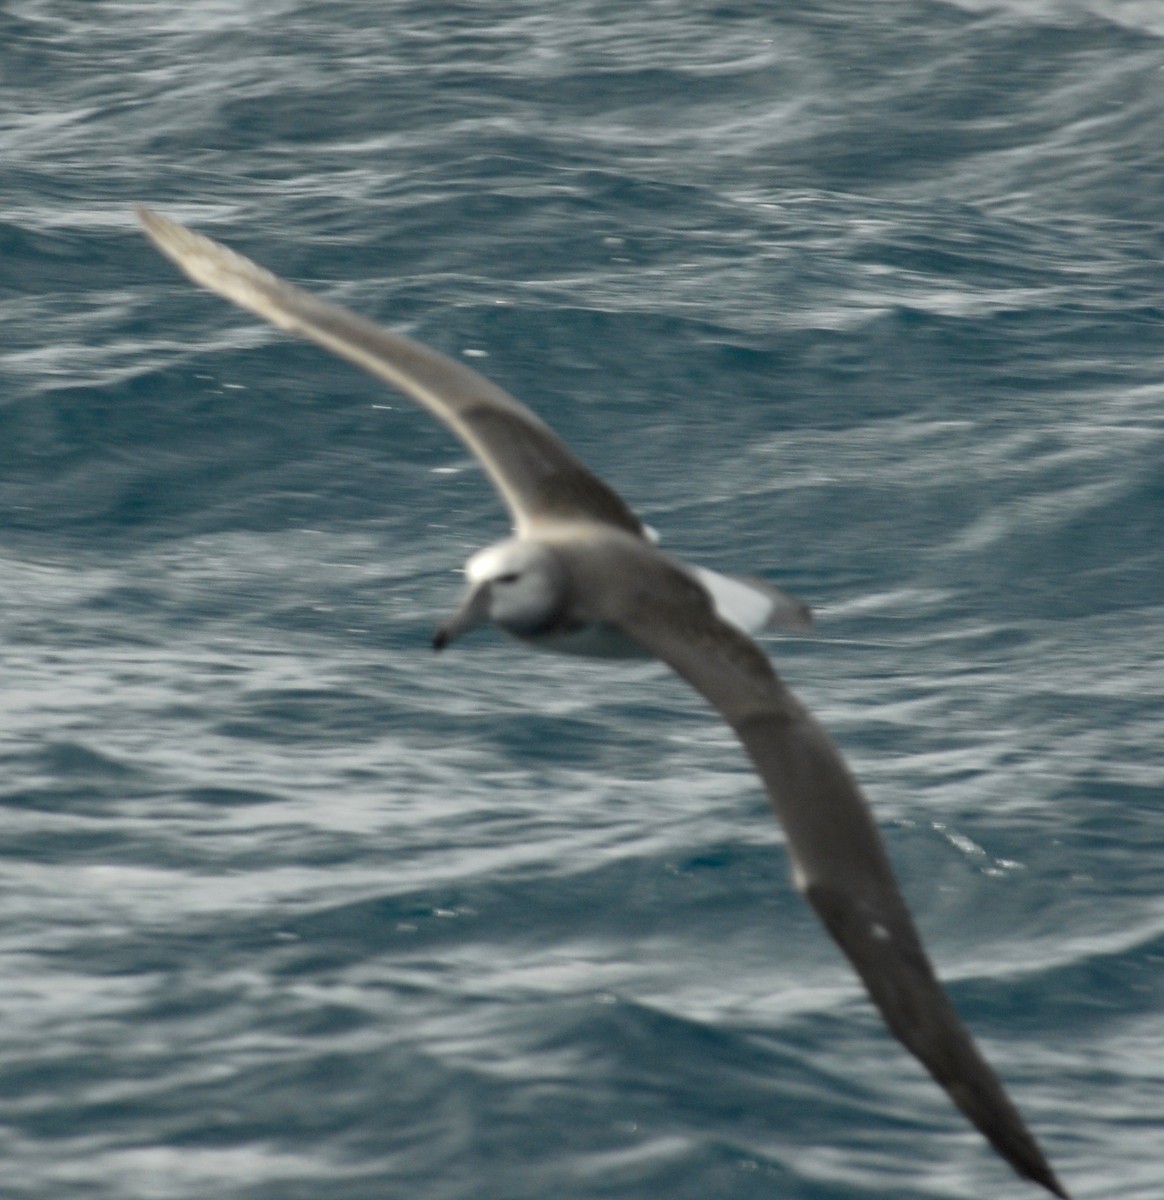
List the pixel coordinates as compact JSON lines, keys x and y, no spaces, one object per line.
{"x":839,"y":861}
{"x":532,"y":468}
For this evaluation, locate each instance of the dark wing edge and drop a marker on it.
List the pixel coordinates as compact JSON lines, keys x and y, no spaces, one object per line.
{"x":536,"y":474}
{"x":863,"y":909}
{"x":839,"y":861}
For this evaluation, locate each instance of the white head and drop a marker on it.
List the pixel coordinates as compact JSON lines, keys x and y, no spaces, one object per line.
{"x":518,"y":585}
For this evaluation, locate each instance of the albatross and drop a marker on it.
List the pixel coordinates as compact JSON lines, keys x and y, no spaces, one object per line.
{"x":582,"y":574}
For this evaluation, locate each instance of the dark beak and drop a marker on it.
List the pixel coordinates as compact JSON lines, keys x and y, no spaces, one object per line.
{"x":474,"y":611}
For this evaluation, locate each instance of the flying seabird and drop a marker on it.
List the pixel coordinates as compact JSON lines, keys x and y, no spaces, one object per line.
{"x":583,"y":574}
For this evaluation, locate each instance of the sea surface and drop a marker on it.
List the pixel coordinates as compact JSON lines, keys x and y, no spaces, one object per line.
{"x":864,"y":297}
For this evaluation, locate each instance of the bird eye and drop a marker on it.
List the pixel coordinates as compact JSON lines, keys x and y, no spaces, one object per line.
{"x":508,"y":577}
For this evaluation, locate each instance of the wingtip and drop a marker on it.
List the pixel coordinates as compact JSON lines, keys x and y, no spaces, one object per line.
{"x":165,"y":234}
{"x":1052,"y":1184}
{"x":149,"y":220}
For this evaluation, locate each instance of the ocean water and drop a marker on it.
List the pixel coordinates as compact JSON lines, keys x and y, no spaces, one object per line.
{"x":865,"y":298}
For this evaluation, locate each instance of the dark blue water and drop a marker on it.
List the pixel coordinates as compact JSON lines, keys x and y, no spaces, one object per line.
{"x":868,"y":298}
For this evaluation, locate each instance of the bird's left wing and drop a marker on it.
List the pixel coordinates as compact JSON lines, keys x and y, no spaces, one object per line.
{"x":839,"y":862}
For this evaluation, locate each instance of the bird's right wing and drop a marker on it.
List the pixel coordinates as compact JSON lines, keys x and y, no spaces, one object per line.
{"x":531,"y":467}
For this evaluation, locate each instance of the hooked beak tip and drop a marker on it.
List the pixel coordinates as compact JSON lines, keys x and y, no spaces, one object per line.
{"x":474,"y":611}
